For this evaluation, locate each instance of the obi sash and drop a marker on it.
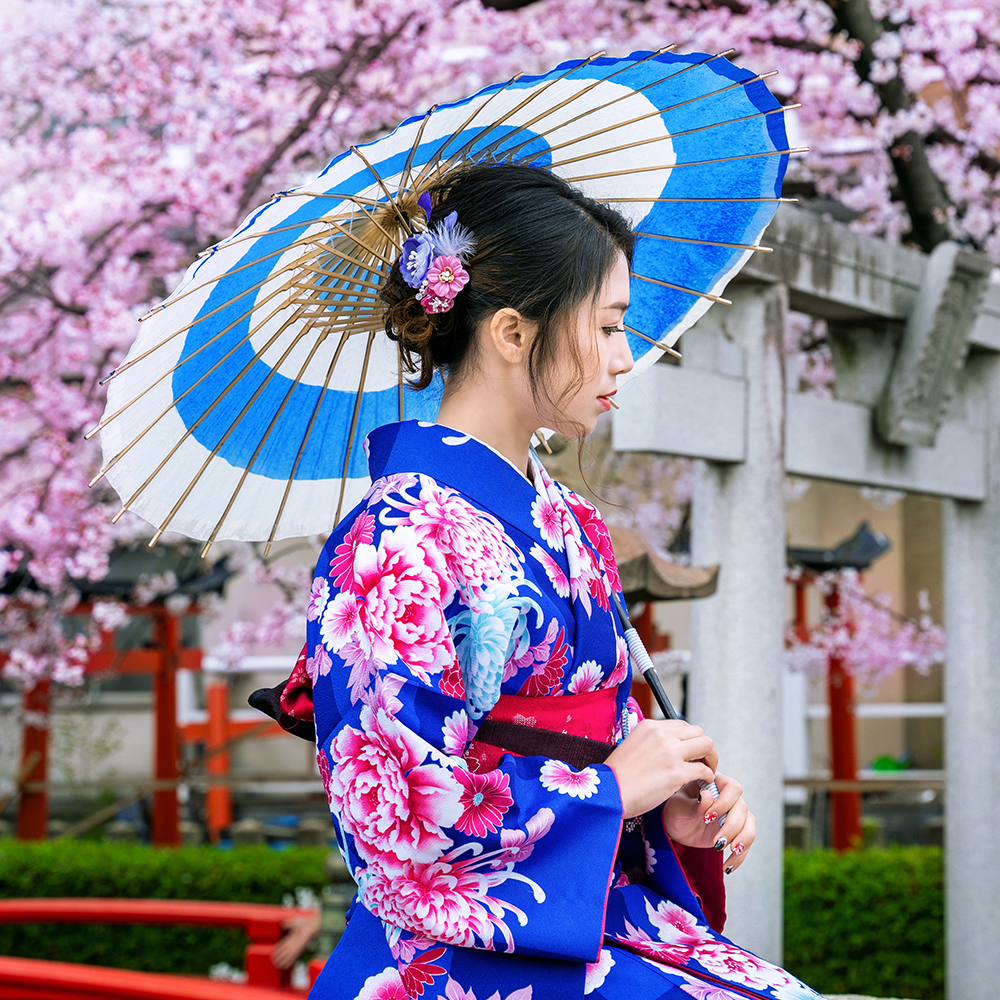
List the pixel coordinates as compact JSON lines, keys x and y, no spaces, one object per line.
{"x":576,"y":728}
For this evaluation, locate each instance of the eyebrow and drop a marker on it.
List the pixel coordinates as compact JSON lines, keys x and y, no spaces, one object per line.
{"x":620,"y":306}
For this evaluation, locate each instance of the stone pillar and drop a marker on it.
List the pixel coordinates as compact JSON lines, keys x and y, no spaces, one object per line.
{"x":972,"y":726}
{"x":738,"y":520}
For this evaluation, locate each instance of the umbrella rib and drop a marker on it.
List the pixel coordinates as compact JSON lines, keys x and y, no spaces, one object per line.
{"x":403,"y":221}
{"x":274,"y":275}
{"x":302,"y":446}
{"x":404,"y":178}
{"x":435,"y":159}
{"x":656,"y":343}
{"x":208,"y":343}
{"x":196,"y":424}
{"x":671,"y":137}
{"x":531,"y":96}
{"x":689,"y":163}
{"x":683,"y":288}
{"x":623,"y":97}
{"x":399,"y":384}
{"x":260,"y":445}
{"x":653,"y":114}
{"x":586,"y":90}
{"x":706,"y":243}
{"x":225,"y":437}
{"x":354,"y":424}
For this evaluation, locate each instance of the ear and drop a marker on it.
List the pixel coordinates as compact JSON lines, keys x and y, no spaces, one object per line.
{"x":510,"y":334}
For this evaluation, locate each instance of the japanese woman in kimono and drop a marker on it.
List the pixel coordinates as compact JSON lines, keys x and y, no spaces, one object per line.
{"x":515,"y":828}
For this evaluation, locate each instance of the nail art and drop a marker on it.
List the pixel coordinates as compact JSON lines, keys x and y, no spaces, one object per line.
{"x":710,"y":818}
{"x":729,"y":870}
{"x":738,"y":848}
{"x":720,"y":844}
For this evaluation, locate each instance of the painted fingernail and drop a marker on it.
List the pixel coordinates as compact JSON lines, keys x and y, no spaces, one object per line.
{"x":729,"y":870}
{"x":738,"y":848}
{"x":720,"y":844}
{"x":710,"y":818}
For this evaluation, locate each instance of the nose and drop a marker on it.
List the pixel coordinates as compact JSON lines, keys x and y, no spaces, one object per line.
{"x":622,"y":360}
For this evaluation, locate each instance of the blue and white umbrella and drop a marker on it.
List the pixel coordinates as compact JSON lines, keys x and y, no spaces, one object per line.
{"x":241,"y":408}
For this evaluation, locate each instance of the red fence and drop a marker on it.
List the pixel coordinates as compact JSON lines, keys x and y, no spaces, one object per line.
{"x":262,"y":924}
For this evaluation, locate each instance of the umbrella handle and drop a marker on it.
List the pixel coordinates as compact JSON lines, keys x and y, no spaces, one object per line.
{"x":641,"y":658}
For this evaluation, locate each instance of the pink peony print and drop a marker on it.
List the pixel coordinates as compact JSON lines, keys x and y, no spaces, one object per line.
{"x":585,"y":678}
{"x":437,"y":900}
{"x":485,"y":798}
{"x":361,"y":533}
{"x":402,"y":587}
{"x":740,"y":967}
{"x":517,"y":844}
{"x":395,"y":806}
{"x":597,"y":971}
{"x":385,"y":985}
{"x":560,"y":584}
{"x":317,"y":598}
{"x":675,"y":926}
{"x":455,"y":733}
{"x":558,"y":776}
{"x":597,"y":533}
{"x":475,"y":547}
{"x":548,"y":520}
{"x":702,"y":991}
{"x":451,"y":682}
{"x":639,"y":940}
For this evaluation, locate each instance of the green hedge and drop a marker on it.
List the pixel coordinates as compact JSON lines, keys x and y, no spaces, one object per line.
{"x":869,"y":922}
{"x":85,"y":868}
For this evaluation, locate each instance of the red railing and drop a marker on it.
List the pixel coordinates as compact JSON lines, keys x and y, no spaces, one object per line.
{"x":263,"y":926}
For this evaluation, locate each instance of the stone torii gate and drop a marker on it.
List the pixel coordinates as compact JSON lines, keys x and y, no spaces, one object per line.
{"x":916,"y":342}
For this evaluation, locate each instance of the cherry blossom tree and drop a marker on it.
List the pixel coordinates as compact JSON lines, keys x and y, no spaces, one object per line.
{"x":138,"y":132}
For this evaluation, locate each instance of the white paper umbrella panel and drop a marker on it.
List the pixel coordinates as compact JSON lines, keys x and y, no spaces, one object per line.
{"x":241,"y":408}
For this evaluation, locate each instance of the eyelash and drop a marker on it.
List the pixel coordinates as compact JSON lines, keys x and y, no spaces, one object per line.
{"x":613,"y":329}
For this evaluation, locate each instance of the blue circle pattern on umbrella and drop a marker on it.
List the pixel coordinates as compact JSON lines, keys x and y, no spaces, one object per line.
{"x":729,"y":154}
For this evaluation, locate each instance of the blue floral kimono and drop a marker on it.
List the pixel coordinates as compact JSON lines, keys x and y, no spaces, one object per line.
{"x":455,"y":581}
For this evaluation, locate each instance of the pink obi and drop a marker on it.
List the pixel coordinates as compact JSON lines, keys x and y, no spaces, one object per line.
{"x":576,"y":728}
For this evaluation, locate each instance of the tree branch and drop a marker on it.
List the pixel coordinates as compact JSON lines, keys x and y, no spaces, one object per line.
{"x":922,"y":191}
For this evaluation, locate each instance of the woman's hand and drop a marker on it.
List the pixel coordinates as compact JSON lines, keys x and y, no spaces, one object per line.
{"x":695,"y":823}
{"x":656,"y":759}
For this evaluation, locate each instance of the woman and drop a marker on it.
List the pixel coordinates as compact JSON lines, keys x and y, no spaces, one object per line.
{"x":515,"y":828}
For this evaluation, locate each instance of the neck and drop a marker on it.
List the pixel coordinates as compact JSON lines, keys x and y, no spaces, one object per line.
{"x":493,"y":414}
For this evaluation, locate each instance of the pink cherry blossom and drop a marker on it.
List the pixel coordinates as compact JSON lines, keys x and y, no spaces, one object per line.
{"x":558,"y":776}
{"x":485,"y":799}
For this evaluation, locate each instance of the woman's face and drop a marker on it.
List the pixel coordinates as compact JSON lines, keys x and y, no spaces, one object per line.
{"x":603,"y":349}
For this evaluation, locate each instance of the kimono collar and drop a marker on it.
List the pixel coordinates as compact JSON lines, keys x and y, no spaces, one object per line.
{"x":457,"y":460}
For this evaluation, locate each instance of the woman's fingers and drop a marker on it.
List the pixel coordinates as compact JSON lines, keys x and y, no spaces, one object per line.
{"x":741,"y":843}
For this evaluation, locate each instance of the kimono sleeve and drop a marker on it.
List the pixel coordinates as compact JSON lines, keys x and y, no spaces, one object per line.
{"x":515,"y":859}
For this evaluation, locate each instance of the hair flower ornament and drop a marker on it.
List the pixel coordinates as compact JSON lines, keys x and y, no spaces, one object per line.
{"x":433,"y":262}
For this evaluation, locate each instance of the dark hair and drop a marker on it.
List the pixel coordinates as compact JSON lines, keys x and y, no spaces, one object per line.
{"x":541,"y":247}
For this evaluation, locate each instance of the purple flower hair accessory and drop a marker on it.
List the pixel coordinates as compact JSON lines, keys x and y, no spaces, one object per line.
{"x":433,"y":262}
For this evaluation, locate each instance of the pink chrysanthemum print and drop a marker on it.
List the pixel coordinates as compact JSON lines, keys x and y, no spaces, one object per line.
{"x":361,"y":533}
{"x":558,"y":776}
{"x":560,"y":584}
{"x":385,"y":985}
{"x":455,"y":732}
{"x":485,"y":798}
